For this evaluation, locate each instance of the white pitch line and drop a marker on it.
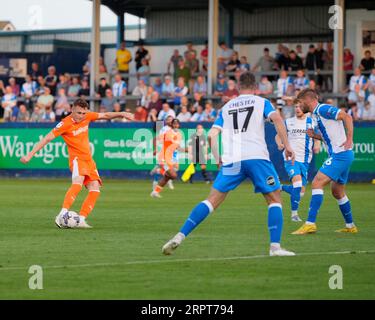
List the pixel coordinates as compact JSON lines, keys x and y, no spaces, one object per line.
{"x":168,"y":260}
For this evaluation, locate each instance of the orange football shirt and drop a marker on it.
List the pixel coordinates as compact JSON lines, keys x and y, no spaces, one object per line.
{"x":76,"y":135}
{"x":171,"y":142}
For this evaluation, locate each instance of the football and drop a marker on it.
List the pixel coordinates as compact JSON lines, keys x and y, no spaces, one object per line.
{"x":69,"y":219}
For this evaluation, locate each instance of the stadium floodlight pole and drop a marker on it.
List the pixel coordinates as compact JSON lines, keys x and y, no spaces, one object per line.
{"x":213,"y":27}
{"x":94,"y":49}
{"x":338,"y":47}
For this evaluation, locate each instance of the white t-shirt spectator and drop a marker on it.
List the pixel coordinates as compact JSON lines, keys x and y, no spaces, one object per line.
{"x":369,"y":110}
{"x":163,"y":115}
{"x":29,"y":88}
{"x":282,"y":86}
{"x":118,"y":88}
{"x":184,"y":117}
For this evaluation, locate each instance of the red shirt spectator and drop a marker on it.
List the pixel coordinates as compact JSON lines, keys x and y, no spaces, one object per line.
{"x":140,"y":114}
{"x":348,"y":60}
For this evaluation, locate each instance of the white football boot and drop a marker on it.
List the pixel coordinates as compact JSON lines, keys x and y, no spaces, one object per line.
{"x":82,"y":223}
{"x":296,"y":218}
{"x":155,"y":194}
{"x":277,"y":251}
{"x":58,"y":218}
{"x":170,"y":184}
{"x":172,"y":244}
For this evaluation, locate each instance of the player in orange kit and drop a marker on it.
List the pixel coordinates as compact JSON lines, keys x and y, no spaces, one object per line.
{"x":168,"y":157}
{"x":74,"y":130}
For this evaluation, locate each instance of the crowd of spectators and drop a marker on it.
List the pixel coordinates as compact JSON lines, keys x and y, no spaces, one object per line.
{"x":182,"y":92}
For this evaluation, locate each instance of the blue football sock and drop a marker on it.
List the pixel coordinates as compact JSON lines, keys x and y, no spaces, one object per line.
{"x":315,"y":203}
{"x":156,"y":176}
{"x":199,"y":213}
{"x":296,"y":195}
{"x":275,"y":222}
{"x":346,"y":209}
{"x":287,"y":188}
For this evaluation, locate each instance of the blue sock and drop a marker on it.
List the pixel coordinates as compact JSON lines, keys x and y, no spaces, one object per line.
{"x":156,"y":176}
{"x":315,"y":203}
{"x":287,"y":188}
{"x":275,"y":222}
{"x":199,"y":213}
{"x":296,"y":195}
{"x":346,"y":209}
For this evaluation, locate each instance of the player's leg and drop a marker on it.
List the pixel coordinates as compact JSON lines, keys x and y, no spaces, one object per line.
{"x":155,"y":173}
{"x":88,"y":204}
{"x":197,"y":215}
{"x":266,"y":181}
{"x":338,"y":191}
{"x":205,"y":174}
{"x":228,"y":179}
{"x":320,"y":180}
{"x":170,"y":181}
{"x":169,"y":174}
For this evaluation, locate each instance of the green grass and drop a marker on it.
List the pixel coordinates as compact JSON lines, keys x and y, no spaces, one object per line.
{"x":120,"y":258}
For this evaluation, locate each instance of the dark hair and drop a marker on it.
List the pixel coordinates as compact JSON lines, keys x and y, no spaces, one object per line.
{"x":81,"y":103}
{"x":308,"y":93}
{"x":247,"y":80}
{"x":266,"y":49}
{"x":311,"y":46}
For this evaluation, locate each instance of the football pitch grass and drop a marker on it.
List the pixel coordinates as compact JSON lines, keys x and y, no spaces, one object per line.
{"x":224,"y":258}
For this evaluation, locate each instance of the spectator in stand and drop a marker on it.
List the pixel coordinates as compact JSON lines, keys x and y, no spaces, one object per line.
{"x":140,"y":89}
{"x":85,"y":73}
{"x":51,"y":79}
{"x":353,"y":111}
{"x":288,"y":108}
{"x":68,"y":78}
{"x":67,"y":111}
{"x":204,"y":57}
{"x":300,"y":82}
{"x":221,"y":85}
{"x":41,"y":84}
{"x":103,"y":72}
{"x":140,"y":114}
{"x":23,"y":114}
{"x":311,"y":63}
{"x":192,"y":109}
{"x":28,"y":91}
{"x":48,"y":115}
{"x":189,"y":49}
{"x":209,"y":112}
{"x":165,"y":112}
{"x":35,"y":72}
{"x":300,"y":53}
{"x":74,"y":88}
{"x":14,"y":115}
{"x":328,"y":66}
{"x":244,"y":65}
{"x":266,"y":63}
{"x":225,"y":53}
{"x":233,"y":63}
{"x":8,"y":102}
{"x":152,"y":115}
{"x":231,"y":92}
{"x":198,"y":116}
{"x":295,"y":62}
{"x":2,"y":88}
{"x":197,"y":99}
{"x":368,"y":62}
{"x":369,"y":109}
{"x":63,"y":83}
{"x":155,"y":102}
{"x":103,"y":86}
{"x":180,"y":91}
{"x":119,"y":89}
{"x":143,"y":72}
{"x":108,"y":101}
{"x":283,"y":59}
{"x":158,"y":86}
{"x":182,"y":71}
{"x":173,"y":61}
{"x":236,"y":77}
{"x":321,"y":58}
{"x":168,"y":89}
{"x":141,"y":54}
{"x":200,"y":86}
{"x":15,"y":87}
{"x":61,"y":102}
{"x":221,"y":65}
{"x":284,"y":87}
{"x":193,"y":64}
{"x":123,"y":58}
{"x":84,"y":92}
{"x":312,"y":85}
{"x":356,"y":79}
{"x":265,"y":86}
{"x":37,"y":114}
{"x":46,"y":99}
{"x":184,"y":115}
{"x":146,"y":99}
{"x":348,"y":63}
{"x":117,"y":108}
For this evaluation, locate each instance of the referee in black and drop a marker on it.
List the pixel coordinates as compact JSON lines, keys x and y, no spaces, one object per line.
{"x":198,"y":152}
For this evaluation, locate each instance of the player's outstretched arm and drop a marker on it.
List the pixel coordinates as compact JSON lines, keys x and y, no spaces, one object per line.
{"x":40,"y":145}
{"x":213,"y":142}
{"x":280,"y":145}
{"x":113,"y":115}
{"x":281,"y":132}
{"x":348,"y":123}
